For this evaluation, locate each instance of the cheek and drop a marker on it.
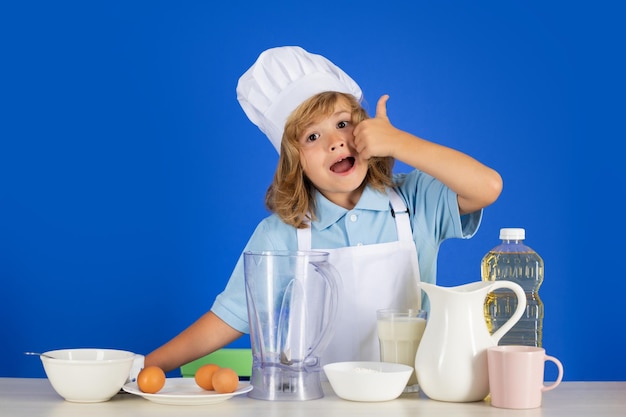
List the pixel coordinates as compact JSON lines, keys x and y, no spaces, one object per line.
{"x":312,"y":162}
{"x":349,"y":138}
{"x":304,"y":162}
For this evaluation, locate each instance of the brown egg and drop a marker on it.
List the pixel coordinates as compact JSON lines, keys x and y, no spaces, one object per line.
{"x":151,"y":379}
{"x":204,"y":376}
{"x":225,"y":380}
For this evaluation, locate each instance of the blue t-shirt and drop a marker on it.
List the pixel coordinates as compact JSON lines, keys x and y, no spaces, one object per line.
{"x":434,"y":214}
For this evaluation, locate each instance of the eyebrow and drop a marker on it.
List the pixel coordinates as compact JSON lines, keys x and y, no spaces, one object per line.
{"x":340,"y":113}
{"x":335,"y":114}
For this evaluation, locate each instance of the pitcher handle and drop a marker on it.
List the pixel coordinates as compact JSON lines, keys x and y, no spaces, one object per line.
{"x":333,"y":279}
{"x":519,"y":311}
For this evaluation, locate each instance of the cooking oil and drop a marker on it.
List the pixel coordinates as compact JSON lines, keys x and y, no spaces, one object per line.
{"x":512,"y":260}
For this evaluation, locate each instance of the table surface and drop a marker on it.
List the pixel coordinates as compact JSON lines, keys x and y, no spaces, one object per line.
{"x":34,"y":397}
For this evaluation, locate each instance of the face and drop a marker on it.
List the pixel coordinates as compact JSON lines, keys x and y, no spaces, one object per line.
{"x":329,"y":159}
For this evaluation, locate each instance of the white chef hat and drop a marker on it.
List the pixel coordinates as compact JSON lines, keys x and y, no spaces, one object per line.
{"x":283,"y":78}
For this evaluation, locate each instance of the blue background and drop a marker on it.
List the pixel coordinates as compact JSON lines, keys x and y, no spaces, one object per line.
{"x":130,"y":178}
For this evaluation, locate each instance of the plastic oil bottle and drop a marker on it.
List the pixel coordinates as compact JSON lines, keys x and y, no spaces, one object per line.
{"x":514,"y":261}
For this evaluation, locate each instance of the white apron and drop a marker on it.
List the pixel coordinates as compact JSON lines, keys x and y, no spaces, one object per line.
{"x":383,"y":275}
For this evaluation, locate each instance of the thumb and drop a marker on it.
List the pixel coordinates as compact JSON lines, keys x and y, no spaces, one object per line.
{"x":381,"y":107}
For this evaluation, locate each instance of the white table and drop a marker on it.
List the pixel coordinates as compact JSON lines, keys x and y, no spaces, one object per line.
{"x":34,"y":397}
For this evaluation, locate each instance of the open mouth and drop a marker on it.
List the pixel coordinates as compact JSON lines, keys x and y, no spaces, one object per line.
{"x":343,"y":165}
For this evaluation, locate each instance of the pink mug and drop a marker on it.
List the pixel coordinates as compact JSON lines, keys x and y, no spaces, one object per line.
{"x":516,"y":375}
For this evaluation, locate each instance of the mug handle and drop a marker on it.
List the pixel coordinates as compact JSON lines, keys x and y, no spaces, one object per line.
{"x":559,"y":378}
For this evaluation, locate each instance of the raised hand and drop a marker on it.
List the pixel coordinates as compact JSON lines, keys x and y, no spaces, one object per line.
{"x":374,"y":137}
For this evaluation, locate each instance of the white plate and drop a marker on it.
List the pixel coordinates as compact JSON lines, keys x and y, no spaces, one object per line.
{"x":185,"y":391}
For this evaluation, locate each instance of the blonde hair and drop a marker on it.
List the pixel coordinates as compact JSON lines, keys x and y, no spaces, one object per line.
{"x":292,"y":195}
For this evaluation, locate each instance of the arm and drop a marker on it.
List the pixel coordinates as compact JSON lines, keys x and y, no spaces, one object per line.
{"x":204,"y":336}
{"x":475,"y":184}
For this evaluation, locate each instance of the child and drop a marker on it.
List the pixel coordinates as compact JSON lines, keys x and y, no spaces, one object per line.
{"x":334,"y":190}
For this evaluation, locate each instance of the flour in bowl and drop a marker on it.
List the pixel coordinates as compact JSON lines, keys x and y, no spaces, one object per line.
{"x":366,"y":371}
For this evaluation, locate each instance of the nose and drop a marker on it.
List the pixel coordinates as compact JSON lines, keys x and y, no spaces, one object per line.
{"x":336,"y":141}
{"x":336,"y":146}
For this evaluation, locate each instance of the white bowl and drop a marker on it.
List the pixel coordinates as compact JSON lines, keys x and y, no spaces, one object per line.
{"x":368,"y":381}
{"x":87,"y":375}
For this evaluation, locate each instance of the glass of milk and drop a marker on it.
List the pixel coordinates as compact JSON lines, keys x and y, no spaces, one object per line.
{"x":399,"y":334}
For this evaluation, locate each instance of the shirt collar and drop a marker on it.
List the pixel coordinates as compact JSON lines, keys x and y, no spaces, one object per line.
{"x":328,"y":213}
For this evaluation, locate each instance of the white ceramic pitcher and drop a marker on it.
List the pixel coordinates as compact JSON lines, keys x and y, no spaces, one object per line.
{"x":451,"y":361}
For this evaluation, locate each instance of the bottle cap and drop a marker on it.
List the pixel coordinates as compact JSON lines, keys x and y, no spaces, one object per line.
{"x":512,"y":234}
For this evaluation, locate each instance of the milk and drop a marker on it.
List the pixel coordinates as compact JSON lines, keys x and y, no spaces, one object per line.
{"x":399,"y":339}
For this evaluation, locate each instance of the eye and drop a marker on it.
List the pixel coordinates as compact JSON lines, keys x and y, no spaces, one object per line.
{"x":343,"y":124}
{"x":312,"y":137}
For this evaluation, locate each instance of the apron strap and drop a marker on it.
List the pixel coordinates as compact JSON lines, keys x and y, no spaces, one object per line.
{"x":398,"y":210}
{"x":401,"y":213}
{"x":304,"y":238}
